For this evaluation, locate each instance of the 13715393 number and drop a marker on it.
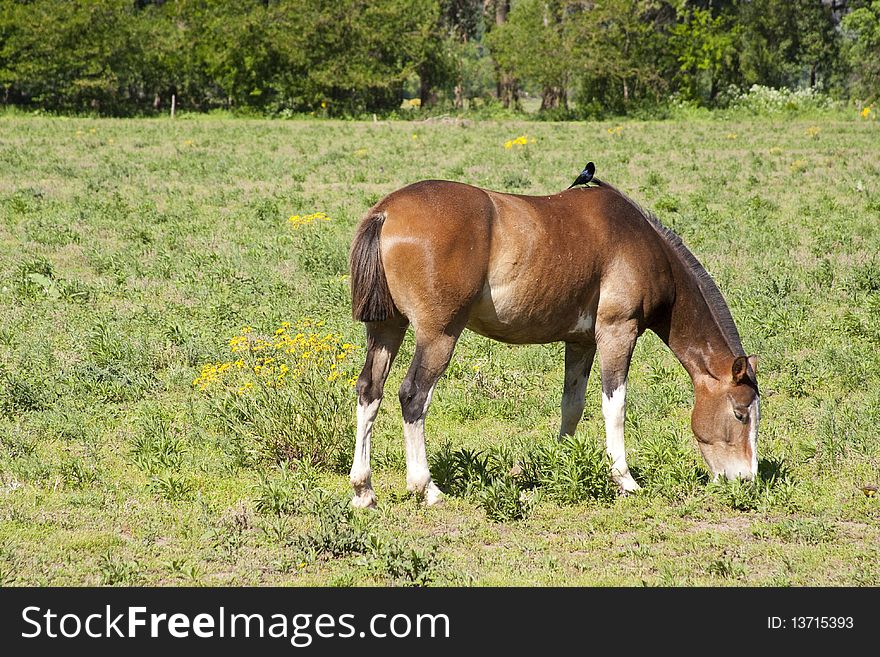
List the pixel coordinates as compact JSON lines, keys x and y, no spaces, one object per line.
{"x":810,"y":622}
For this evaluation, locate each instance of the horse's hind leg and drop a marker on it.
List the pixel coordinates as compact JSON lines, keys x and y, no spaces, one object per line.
{"x":383,"y":342}
{"x":432,"y":355}
{"x":578,"y":361}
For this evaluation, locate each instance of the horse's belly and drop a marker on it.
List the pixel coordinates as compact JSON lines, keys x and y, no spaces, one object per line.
{"x":524,"y":314}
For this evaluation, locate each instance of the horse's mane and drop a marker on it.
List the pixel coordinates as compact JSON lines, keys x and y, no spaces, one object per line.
{"x":711,"y":294}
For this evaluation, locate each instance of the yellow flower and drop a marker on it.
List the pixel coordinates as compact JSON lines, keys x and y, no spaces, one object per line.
{"x":865,"y":113}
{"x":522,"y":140}
{"x":280,"y":356}
{"x":731,"y":135}
{"x":615,"y":130}
{"x":303,"y":220}
{"x":812,"y":132}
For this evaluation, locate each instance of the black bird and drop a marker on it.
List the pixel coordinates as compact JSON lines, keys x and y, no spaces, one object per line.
{"x":586,"y":175}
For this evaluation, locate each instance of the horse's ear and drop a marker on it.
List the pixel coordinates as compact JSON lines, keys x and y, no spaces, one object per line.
{"x":753,"y":361}
{"x":740,"y":369}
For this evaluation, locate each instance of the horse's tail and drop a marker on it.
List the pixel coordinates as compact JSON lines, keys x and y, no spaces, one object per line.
{"x":370,"y":297}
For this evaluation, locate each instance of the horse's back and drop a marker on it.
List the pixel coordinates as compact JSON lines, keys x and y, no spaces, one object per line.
{"x":525,"y":268}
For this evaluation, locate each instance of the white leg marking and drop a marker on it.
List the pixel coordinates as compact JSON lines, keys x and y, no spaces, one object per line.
{"x":418,"y":476}
{"x":366,"y":415}
{"x":360,"y":467}
{"x":614,"y":411}
{"x":754,"y":418}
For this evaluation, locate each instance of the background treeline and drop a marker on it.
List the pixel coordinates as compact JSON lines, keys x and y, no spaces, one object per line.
{"x":351,"y":56}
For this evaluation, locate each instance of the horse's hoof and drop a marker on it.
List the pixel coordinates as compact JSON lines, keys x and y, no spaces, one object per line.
{"x":364,"y":500}
{"x":434,"y":496}
{"x":627,"y":487}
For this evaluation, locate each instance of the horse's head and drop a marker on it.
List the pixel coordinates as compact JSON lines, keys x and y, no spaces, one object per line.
{"x":725,"y":420}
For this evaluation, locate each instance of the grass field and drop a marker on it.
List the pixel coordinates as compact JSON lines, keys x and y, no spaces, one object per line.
{"x":132,"y":251}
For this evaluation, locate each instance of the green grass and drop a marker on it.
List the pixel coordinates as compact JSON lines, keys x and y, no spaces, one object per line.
{"x":131,"y":251}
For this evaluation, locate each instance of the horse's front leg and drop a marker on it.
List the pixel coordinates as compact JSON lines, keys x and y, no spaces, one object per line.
{"x":616,"y":343}
{"x":578,"y":361}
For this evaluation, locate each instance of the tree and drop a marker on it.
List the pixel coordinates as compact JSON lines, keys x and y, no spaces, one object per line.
{"x":353,"y":54}
{"x":705,"y":48}
{"x":861,"y":30}
{"x":507,"y":85}
{"x":458,"y":20}
{"x":621,"y":47}
{"x":784,"y":43}
{"x":71,"y":55}
{"x":532,"y":45}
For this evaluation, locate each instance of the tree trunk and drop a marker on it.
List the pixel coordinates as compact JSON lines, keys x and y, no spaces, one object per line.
{"x":427,"y":91}
{"x":458,"y":98}
{"x":508,"y":91}
{"x":554,"y":97}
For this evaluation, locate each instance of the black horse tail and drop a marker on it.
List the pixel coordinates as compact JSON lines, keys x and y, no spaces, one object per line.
{"x":370,"y":297}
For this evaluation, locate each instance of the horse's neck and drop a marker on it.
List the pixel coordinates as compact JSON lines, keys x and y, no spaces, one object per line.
{"x":693,"y":333}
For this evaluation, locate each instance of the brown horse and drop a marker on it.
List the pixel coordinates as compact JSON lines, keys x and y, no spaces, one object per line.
{"x":587,"y":267}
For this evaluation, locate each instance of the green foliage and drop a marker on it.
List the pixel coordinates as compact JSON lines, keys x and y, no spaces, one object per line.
{"x":568,"y":471}
{"x":861,"y":30}
{"x":503,"y":500}
{"x":572,"y":470}
{"x":705,"y":47}
{"x":19,"y":395}
{"x":309,"y":419}
{"x":157,"y":445}
{"x":787,"y":44}
{"x":765,"y":100}
{"x":726,"y":567}
{"x":114,"y":571}
{"x":772,"y":489}
{"x":286,"y":491}
{"x":667,"y":464}
{"x":797,"y":530}
{"x":338,"y":530}
{"x":286,"y":57}
{"x":529,"y":42}
{"x":111,"y":57}
{"x":405,"y":566}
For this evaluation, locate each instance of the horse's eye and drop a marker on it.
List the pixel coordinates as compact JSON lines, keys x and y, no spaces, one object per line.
{"x":740,"y":416}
